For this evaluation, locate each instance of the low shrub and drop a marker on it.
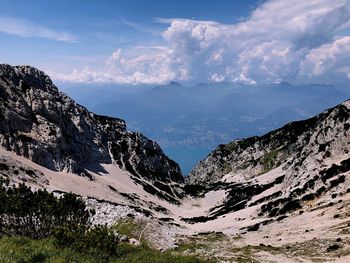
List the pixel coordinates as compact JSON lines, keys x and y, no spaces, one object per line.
{"x":333,"y":247}
{"x":36,"y":214}
{"x":99,"y":240}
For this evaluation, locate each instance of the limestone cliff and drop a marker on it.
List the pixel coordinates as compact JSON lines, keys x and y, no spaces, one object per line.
{"x":49,"y":128}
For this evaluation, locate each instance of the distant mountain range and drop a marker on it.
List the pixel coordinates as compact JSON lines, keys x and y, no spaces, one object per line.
{"x":190,"y":121}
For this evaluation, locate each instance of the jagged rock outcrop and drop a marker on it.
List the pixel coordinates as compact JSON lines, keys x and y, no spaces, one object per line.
{"x":282,"y":171}
{"x":307,"y":144}
{"x":49,"y":128}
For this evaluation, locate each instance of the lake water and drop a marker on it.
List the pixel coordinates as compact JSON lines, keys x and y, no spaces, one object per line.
{"x":186,"y":157}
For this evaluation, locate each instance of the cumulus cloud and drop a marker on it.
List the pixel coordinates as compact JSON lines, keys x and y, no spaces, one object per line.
{"x":331,"y":58}
{"x":279,"y":41}
{"x":23,"y":28}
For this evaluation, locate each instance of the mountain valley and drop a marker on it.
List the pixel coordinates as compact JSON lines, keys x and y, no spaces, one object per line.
{"x":280,"y":197}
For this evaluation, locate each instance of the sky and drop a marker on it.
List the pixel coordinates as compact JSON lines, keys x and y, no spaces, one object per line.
{"x":154,"y":42}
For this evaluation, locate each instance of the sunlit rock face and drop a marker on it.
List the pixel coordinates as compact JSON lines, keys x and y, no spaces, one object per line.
{"x":49,"y":128}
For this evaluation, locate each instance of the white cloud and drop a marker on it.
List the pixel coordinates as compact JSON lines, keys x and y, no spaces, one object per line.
{"x":330,"y":58}
{"x":23,"y":28}
{"x":217,"y":77}
{"x":139,"y":27}
{"x":147,"y":69}
{"x":280,"y":40}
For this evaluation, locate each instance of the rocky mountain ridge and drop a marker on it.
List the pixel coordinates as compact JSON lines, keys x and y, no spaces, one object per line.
{"x":282,"y":171}
{"x":46,"y":126}
{"x":307,"y":139}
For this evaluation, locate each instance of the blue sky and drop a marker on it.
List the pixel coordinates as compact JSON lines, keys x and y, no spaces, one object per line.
{"x":97,"y":28}
{"x":152,"y":42}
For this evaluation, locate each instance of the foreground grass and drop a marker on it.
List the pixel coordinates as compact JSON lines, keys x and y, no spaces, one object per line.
{"x":129,"y":227}
{"x":24,"y":250}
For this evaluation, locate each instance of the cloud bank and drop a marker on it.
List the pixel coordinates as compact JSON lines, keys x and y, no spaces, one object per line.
{"x":280,"y":41}
{"x":23,"y":28}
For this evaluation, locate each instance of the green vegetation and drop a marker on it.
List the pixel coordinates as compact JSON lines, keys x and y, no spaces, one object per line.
{"x":226,"y":168}
{"x":98,"y":241}
{"x":38,"y":214}
{"x":246,"y":254}
{"x":37,"y":226}
{"x":209,"y":242}
{"x":232,"y":146}
{"x":316,"y":249}
{"x":25,"y":250}
{"x":130,"y":227}
{"x":22,"y":249}
{"x":201,"y":241}
{"x":269,"y":160}
{"x":251,"y":249}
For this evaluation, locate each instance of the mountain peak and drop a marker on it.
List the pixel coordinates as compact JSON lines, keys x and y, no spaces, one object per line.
{"x":23,"y":70}
{"x":49,"y":128}
{"x":174,"y":83}
{"x":26,"y":77}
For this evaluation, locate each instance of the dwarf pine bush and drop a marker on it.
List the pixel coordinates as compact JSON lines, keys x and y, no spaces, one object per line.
{"x":36,"y":214}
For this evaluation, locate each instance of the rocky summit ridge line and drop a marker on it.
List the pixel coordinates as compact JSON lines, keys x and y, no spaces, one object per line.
{"x":319,"y":138}
{"x":312,"y":158}
{"x":49,"y":128}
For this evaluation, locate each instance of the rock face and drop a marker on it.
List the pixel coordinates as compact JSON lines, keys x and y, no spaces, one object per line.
{"x":282,"y":171}
{"x":307,"y":144}
{"x":49,"y":128}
